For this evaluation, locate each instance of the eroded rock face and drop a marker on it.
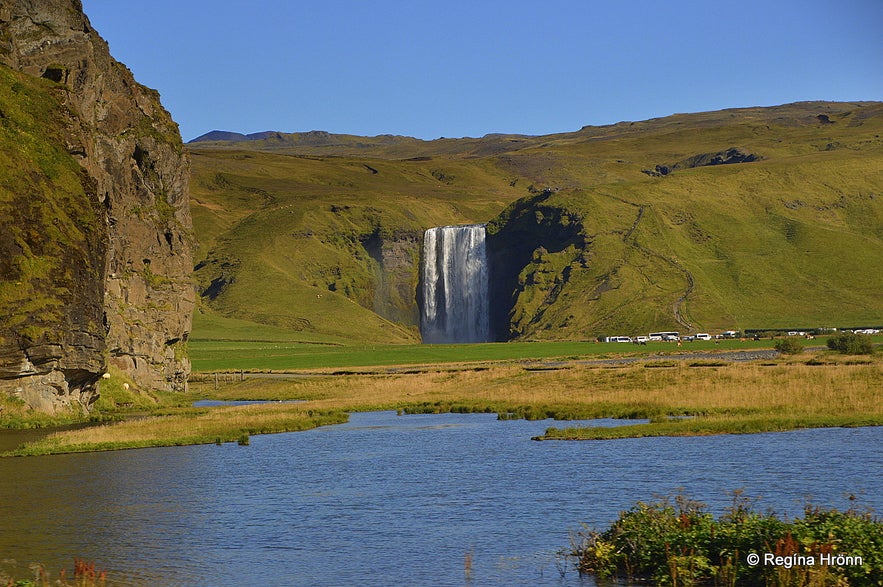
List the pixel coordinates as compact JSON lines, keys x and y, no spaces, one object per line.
{"x":729,"y":157}
{"x":139,"y":233}
{"x":398,"y":259}
{"x":518,"y":240}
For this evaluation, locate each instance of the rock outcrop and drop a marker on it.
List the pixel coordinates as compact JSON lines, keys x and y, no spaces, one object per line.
{"x":521,"y":242}
{"x":108,"y":264}
{"x":729,"y":157}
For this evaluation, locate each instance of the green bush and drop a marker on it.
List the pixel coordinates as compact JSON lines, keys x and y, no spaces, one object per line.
{"x":681,"y":544}
{"x":850,"y":343}
{"x":789,"y":346}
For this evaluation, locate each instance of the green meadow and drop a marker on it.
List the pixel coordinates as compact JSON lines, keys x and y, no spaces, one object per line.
{"x":225,"y":344}
{"x":281,"y":356}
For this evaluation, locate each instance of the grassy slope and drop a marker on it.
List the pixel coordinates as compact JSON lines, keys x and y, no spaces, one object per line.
{"x":784,"y":241}
{"x":788,"y":241}
{"x":289,"y":228}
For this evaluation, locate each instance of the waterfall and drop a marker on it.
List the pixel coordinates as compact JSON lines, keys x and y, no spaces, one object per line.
{"x":455,"y":285}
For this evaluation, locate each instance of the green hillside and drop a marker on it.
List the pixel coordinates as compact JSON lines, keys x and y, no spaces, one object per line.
{"x":748,"y":218}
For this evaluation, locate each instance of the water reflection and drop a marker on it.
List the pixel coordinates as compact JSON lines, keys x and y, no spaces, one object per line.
{"x":390,"y":500}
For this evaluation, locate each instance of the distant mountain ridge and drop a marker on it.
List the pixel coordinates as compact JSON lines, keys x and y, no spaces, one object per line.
{"x":277,"y":139}
{"x":313,"y":136}
{"x":220,"y":135}
{"x":390,"y":146}
{"x":238,"y":137}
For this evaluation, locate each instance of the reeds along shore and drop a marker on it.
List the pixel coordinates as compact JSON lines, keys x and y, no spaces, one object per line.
{"x":722,"y":398}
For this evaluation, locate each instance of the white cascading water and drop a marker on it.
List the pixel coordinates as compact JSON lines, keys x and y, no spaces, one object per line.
{"x":455,"y":285}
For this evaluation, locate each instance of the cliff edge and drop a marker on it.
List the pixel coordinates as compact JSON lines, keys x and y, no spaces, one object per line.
{"x":95,"y":230}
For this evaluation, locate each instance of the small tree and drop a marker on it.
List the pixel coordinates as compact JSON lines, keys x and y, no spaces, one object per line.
{"x":850,"y":343}
{"x":789,"y":346}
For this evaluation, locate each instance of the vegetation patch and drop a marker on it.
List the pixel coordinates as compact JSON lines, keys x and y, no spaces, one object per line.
{"x":187,"y":426}
{"x":849,"y":343}
{"x":660,"y":364}
{"x":84,"y":574}
{"x":706,"y":426}
{"x":789,"y":346}
{"x":677,"y":542}
{"x":741,"y":397}
{"x":15,"y":414}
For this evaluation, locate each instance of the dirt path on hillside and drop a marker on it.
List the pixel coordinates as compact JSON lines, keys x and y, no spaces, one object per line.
{"x":678,"y":304}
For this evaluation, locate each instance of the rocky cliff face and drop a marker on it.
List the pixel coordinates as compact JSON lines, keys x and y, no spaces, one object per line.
{"x":113,"y":284}
{"x":397,"y":256}
{"x":532,"y":248}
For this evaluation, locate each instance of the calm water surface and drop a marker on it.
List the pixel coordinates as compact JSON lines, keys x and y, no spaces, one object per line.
{"x":394,"y":500}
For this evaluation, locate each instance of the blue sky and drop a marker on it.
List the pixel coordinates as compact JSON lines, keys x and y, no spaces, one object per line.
{"x":468,"y":68}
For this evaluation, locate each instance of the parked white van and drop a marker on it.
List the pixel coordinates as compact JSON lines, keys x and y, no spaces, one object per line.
{"x":703,"y":336}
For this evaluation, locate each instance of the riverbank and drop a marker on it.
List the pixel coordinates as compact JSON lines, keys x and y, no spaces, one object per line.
{"x":216,"y":425}
{"x":680,"y":396}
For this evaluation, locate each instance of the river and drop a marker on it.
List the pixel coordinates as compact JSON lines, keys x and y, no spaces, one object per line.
{"x":394,"y":500}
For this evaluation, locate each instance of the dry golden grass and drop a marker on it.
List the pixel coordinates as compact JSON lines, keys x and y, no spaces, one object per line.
{"x":723,"y":398}
{"x":222,"y":424}
{"x":829,"y":389}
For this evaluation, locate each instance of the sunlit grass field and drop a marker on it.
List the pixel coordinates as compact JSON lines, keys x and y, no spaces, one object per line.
{"x":678,"y":395}
{"x":280,"y":356}
{"x":225,"y":344}
{"x":789,"y":387}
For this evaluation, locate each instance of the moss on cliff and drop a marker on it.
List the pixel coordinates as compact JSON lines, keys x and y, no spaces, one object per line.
{"x":532,"y":247}
{"x":97,"y":236}
{"x":53,"y":236}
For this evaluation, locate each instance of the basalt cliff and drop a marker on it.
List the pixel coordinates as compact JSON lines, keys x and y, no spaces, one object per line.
{"x":95,"y":229}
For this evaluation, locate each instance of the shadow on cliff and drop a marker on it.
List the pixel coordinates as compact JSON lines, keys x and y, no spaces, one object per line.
{"x":512,"y":239}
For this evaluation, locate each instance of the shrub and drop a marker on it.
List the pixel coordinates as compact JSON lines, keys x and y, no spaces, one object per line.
{"x":789,"y":346}
{"x":680,"y":544}
{"x":850,"y":343}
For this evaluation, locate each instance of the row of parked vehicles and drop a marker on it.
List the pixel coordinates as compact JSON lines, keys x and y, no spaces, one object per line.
{"x":670,"y":337}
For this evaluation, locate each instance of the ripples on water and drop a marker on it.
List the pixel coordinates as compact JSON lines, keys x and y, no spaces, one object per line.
{"x":396,"y":500}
